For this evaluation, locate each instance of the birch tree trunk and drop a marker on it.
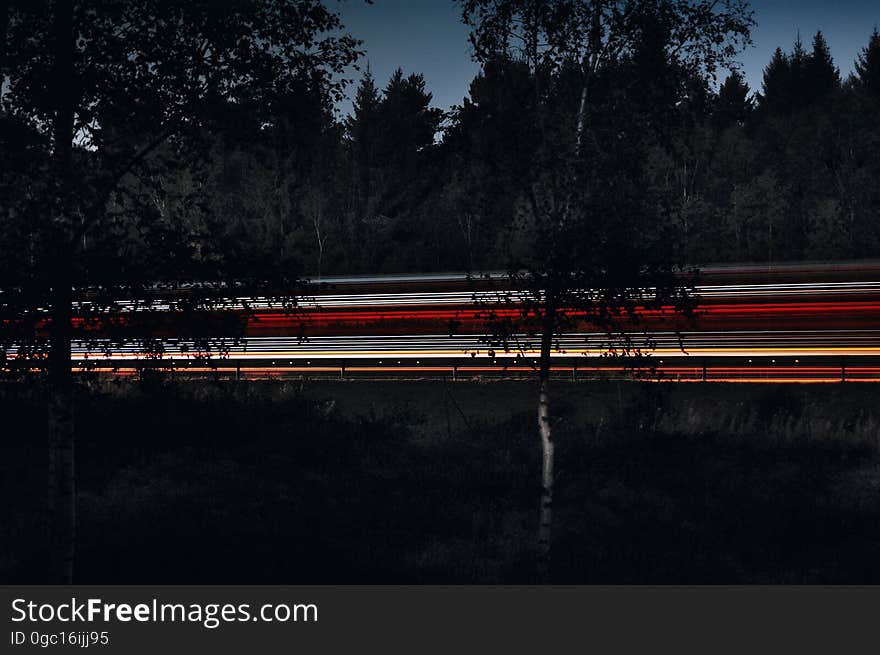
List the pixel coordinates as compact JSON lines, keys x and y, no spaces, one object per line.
{"x":546,"y":512}
{"x":4,"y":25}
{"x":545,"y":519}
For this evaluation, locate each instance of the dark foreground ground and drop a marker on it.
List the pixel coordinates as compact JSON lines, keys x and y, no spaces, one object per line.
{"x":430,"y":482}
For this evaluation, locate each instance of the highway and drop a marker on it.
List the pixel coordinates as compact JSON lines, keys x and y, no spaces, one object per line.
{"x":801,"y":322}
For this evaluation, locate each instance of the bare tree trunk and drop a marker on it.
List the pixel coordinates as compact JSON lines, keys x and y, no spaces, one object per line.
{"x":588,"y":67}
{"x":546,"y":514}
{"x":545,"y":519}
{"x":4,"y":25}
{"x":581,"y":117}
{"x":60,"y":428}
{"x":320,"y":238}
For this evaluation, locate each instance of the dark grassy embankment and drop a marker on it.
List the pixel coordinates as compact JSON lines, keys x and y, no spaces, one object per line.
{"x":428,"y":482}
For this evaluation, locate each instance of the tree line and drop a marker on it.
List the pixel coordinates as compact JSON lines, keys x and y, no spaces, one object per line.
{"x":781,"y":173}
{"x":282,"y":186}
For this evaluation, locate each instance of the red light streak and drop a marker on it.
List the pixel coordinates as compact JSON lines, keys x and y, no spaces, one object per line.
{"x":735,"y":312}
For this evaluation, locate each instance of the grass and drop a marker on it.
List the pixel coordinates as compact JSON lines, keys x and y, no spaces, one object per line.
{"x":362,"y":482}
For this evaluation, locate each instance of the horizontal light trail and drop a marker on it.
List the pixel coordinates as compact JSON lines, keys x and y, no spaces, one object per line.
{"x":400,"y":299}
{"x":763,"y":344}
{"x":784,"y":323}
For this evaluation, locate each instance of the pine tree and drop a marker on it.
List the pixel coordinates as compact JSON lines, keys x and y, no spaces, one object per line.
{"x":799,"y":92}
{"x":821,"y":77}
{"x":408,"y":125}
{"x":363,"y":128}
{"x":776,"y":90}
{"x":733,"y":103}
{"x":410,"y":122}
{"x":867,"y":67}
{"x":393,"y":140}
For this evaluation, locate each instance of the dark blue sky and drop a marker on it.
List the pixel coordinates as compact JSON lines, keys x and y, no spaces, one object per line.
{"x":426,"y":36}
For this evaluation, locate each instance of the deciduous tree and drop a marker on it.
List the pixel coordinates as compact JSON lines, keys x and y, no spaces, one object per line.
{"x":591,"y":247}
{"x":118,"y":93}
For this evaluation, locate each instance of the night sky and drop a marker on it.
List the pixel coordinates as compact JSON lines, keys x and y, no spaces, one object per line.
{"x":427,"y":36}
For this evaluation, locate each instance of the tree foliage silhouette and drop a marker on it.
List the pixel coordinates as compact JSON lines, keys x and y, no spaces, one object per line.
{"x":119,"y":96}
{"x":867,"y":67}
{"x":590,"y":246}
